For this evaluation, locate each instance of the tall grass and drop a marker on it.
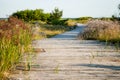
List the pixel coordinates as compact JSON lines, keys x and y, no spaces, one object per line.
{"x":108,"y":31}
{"x":15,"y":37}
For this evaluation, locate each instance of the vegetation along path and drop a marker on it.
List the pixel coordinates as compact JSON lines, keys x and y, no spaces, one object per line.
{"x":64,"y":57}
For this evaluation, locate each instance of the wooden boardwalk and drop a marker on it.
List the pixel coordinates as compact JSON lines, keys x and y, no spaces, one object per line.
{"x":67,"y":58}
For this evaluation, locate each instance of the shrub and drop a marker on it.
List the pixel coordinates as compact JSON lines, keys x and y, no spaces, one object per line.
{"x":102,"y":30}
{"x":39,"y":15}
{"x":32,"y":15}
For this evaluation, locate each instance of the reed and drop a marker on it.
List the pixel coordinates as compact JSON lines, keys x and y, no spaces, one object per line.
{"x":15,"y":38}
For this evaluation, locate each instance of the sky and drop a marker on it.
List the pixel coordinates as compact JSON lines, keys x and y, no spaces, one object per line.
{"x":71,"y":8}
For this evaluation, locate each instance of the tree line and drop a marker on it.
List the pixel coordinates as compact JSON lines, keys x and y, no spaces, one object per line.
{"x":39,"y":14}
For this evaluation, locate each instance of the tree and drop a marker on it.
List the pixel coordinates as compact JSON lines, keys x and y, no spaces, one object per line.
{"x":117,"y":15}
{"x":119,"y":10}
{"x":38,"y":14}
{"x":55,"y":16}
{"x":45,"y":17}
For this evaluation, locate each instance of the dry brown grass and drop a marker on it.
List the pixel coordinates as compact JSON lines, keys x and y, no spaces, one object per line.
{"x":70,"y":22}
{"x":102,"y":30}
{"x":52,"y":30}
{"x":46,"y":31}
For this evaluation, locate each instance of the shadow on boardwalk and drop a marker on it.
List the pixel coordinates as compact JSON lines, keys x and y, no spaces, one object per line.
{"x":99,"y":66}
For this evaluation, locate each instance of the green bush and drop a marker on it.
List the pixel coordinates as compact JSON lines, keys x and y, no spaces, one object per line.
{"x":38,"y":15}
{"x":32,"y":15}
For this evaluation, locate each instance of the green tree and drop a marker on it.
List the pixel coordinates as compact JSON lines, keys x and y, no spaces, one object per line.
{"x":37,"y":14}
{"x":119,"y":10}
{"x":55,"y":16}
{"x":117,"y":15}
{"x":45,"y":17}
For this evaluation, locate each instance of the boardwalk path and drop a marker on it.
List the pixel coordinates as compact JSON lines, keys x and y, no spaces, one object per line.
{"x":67,"y":58}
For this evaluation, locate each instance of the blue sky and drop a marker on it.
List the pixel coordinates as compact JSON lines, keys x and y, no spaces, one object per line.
{"x":71,"y":8}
